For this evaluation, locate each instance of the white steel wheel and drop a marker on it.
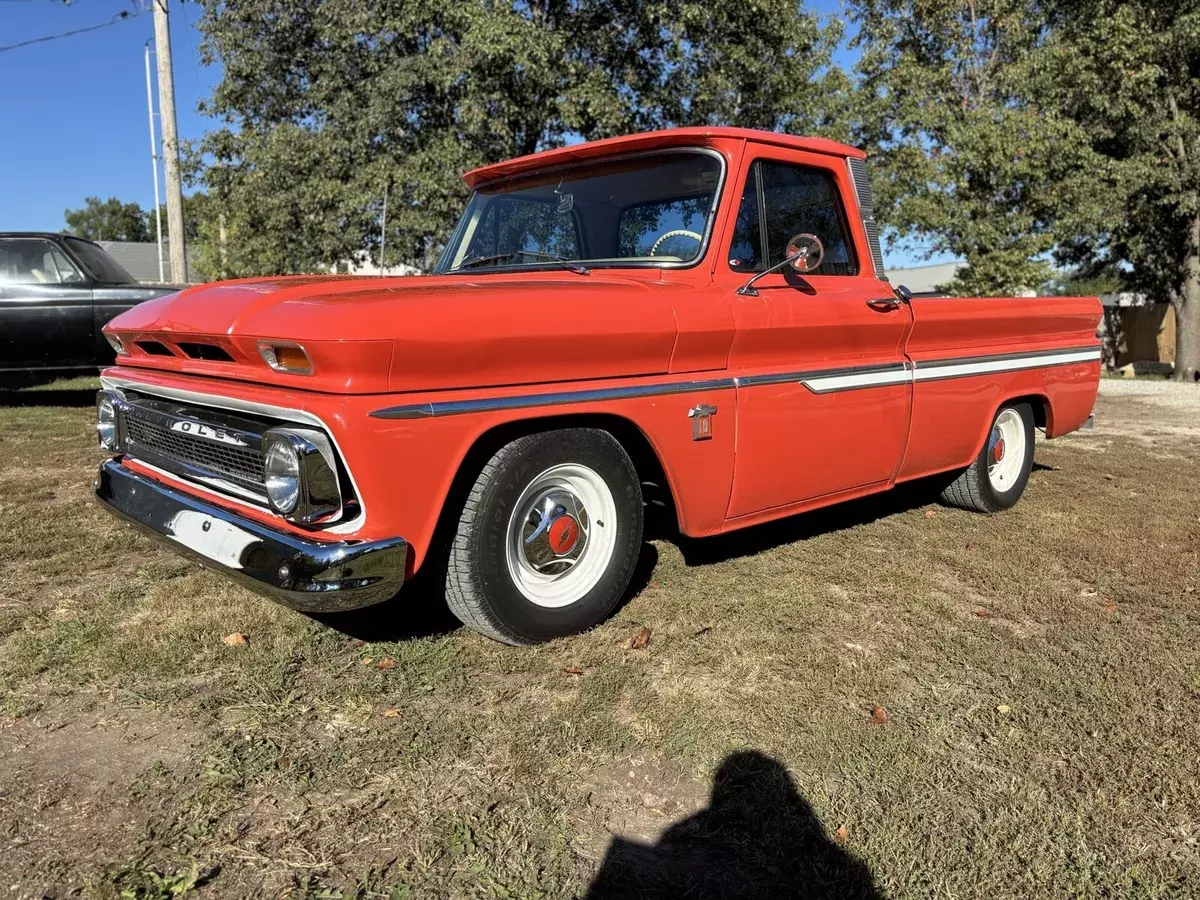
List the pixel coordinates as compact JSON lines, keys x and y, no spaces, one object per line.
{"x":548,"y":537}
{"x":561,"y":535}
{"x":997,"y":478}
{"x":1006,"y":451}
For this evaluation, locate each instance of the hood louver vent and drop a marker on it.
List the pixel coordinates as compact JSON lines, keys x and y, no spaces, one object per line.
{"x":210,"y":352}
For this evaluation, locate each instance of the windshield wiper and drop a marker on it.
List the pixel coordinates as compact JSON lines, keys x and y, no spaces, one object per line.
{"x":567,"y":264}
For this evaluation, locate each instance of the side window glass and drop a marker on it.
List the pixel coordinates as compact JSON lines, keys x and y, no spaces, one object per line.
{"x":745,"y":253}
{"x":67,"y":273}
{"x":25,"y":261}
{"x":793,"y":200}
{"x":804,"y":200}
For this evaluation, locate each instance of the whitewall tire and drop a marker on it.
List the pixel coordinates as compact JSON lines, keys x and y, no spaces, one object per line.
{"x":548,"y":537}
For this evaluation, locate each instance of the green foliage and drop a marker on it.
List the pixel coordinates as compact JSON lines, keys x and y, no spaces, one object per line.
{"x":108,"y":220}
{"x":1127,"y":73}
{"x":326,"y":105}
{"x":965,"y":161}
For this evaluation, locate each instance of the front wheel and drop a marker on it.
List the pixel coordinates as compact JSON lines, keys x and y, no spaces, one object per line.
{"x":548,"y":538}
{"x":997,"y":478}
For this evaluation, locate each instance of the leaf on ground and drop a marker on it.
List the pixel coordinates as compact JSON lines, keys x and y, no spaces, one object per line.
{"x":572,"y":670}
{"x":390,"y":713}
{"x":366,"y":660}
{"x":930,"y":513}
{"x":985,"y":614}
{"x":971,"y":546}
{"x":705,"y":630}
{"x":1109,"y":605}
{"x":387,"y":663}
{"x":1004,"y":709}
{"x":237,"y":639}
{"x":641,"y":640}
{"x":879,"y":716}
{"x":842,"y":834}
{"x":1108,"y":477}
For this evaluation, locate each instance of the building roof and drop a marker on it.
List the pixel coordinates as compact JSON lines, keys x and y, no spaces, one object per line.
{"x":652,"y":140}
{"x":925,"y":280}
{"x":140,"y":259}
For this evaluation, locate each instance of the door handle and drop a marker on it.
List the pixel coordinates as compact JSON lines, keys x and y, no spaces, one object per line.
{"x":884,"y":304}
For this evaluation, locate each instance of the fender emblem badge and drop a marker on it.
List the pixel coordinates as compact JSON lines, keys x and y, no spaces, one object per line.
{"x":701,"y":417}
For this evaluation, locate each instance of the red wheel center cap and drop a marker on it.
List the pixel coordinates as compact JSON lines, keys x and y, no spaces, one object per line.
{"x":563,"y":534}
{"x":998,"y":450}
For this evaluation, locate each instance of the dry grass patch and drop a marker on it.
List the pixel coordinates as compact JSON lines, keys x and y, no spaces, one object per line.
{"x":1038,"y":669}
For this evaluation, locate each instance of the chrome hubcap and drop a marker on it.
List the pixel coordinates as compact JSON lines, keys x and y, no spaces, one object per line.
{"x":555,"y":533}
{"x":562,"y":535}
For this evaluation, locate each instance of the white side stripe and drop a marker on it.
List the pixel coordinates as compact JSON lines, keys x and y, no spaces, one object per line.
{"x":828,"y":383}
{"x":926,"y":372}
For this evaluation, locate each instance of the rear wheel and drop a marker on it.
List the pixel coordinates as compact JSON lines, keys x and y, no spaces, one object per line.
{"x":997,"y":478}
{"x":548,"y":537}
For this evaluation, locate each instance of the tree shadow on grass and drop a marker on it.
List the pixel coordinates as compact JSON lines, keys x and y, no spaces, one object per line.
{"x":419,"y":610}
{"x":757,"y":838}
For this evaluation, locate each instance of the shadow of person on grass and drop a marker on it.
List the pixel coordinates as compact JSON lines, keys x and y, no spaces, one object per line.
{"x":757,"y":838}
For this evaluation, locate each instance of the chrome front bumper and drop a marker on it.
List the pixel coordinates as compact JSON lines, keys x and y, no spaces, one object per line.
{"x":308,"y":575}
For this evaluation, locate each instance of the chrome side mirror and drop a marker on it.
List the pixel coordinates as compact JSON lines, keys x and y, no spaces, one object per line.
{"x":804,"y":254}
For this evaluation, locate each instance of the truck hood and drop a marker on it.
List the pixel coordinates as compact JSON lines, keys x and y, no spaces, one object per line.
{"x":414,"y":333}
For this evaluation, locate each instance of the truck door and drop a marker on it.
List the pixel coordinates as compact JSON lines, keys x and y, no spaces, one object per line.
{"x":45,"y":307}
{"x":824,"y":393}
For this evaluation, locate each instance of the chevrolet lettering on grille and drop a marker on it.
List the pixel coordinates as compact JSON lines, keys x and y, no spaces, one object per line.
{"x":198,"y":429}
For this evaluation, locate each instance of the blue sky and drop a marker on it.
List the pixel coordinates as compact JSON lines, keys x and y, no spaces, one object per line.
{"x":74,"y":110}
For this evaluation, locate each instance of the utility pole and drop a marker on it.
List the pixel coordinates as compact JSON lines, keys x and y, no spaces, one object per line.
{"x":166,"y":105}
{"x":162,"y":276}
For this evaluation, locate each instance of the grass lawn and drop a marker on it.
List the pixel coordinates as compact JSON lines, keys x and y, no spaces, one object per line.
{"x":1040,"y":672}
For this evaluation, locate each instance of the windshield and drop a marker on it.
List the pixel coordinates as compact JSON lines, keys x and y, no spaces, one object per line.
{"x":100,"y":265}
{"x":639,"y":211}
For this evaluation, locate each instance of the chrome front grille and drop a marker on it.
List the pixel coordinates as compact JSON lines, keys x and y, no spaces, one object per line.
{"x":242,"y":464}
{"x":219,"y":449}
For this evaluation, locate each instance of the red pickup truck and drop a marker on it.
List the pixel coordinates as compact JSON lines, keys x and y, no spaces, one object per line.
{"x":702,"y":310}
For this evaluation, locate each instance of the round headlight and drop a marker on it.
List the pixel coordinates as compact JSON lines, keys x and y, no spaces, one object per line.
{"x":282,"y":470}
{"x":106,"y":422}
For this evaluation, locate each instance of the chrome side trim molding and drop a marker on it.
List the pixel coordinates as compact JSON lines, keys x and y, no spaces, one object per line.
{"x":490,"y":404}
{"x":819,"y":381}
{"x":938,"y":370}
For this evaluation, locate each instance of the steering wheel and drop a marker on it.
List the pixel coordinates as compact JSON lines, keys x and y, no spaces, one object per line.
{"x":678,"y":232}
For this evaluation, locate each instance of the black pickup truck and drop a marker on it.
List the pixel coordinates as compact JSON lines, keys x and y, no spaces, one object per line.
{"x":56,"y":292}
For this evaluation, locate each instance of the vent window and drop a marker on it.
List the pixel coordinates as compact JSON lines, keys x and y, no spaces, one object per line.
{"x":210,"y":352}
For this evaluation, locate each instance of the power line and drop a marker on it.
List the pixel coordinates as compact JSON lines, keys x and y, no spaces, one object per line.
{"x":119,"y":17}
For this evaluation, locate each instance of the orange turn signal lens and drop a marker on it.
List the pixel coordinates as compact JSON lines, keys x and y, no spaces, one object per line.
{"x":290,"y":358}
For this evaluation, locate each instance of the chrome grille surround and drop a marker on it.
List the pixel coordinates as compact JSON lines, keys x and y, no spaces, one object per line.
{"x":208,"y":446}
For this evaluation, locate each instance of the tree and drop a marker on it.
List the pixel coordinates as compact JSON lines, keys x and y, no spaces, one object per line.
{"x":1129,"y":74}
{"x":108,"y":220}
{"x":966,"y":161}
{"x":327,"y":105}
